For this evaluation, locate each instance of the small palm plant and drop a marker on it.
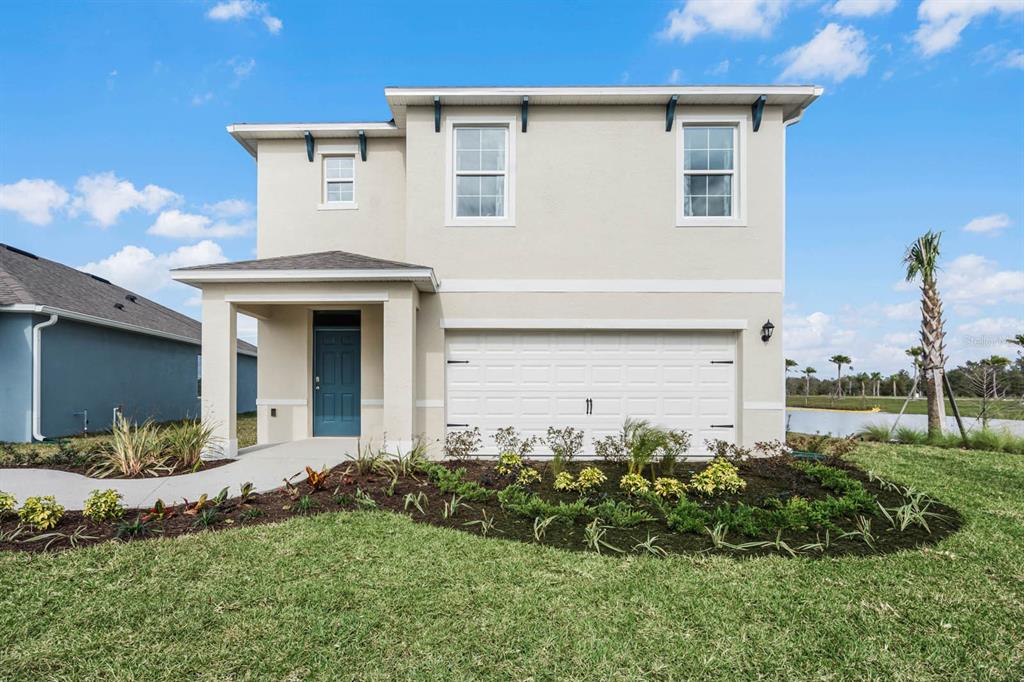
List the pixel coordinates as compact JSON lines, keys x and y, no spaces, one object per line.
{"x":187,"y":440}
{"x":922,"y":261}
{"x":808,"y":371}
{"x":839,"y":360}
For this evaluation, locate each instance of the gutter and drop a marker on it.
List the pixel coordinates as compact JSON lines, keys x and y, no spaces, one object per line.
{"x":37,"y":366}
{"x":103,"y":322}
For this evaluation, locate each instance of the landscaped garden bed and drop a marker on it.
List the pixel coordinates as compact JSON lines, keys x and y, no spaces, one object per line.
{"x":641,"y":498}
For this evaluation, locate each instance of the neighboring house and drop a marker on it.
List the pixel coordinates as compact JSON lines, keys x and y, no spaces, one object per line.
{"x":74,"y":348}
{"x":526,"y":256}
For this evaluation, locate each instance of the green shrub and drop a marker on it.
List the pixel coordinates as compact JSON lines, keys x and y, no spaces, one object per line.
{"x":187,"y":440}
{"x":687,"y":517}
{"x":720,"y":476}
{"x":619,"y":514}
{"x":43,"y":513}
{"x":459,"y":445}
{"x":589,"y":478}
{"x":669,"y":487}
{"x":520,"y":501}
{"x":852,"y":492}
{"x":7,"y":503}
{"x":747,"y":520}
{"x":450,"y":481}
{"x":133,"y":450}
{"x":995,"y":440}
{"x":634,"y":484}
{"x":911,"y":436}
{"x":564,"y":481}
{"x":103,"y":506}
{"x":528,"y":476}
{"x":877,"y":433}
{"x":508,"y":463}
{"x":565,"y":444}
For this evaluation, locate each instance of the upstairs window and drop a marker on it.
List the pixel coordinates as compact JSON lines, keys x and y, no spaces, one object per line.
{"x":481,"y":171}
{"x":339,"y":180}
{"x":709,"y":171}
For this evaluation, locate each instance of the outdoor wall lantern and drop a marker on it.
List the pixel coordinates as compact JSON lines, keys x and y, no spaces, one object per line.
{"x":766,"y":331}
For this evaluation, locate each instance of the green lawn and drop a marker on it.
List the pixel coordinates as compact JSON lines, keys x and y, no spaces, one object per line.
{"x":1002,"y":409}
{"x":373,"y":596}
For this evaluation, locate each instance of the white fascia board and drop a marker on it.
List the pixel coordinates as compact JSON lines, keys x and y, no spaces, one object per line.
{"x":246,"y":134}
{"x":611,"y":286}
{"x":103,"y":322}
{"x":605,"y":91}
{"x":274,"y":299}
{"x":633,"y":324}
{"x":423,"y":276}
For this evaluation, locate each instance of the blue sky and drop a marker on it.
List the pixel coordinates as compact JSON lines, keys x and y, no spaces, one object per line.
{"x":113,"y":154}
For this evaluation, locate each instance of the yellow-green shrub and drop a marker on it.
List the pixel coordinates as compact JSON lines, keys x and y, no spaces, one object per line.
{"x":669,"y":487}
{"x":41,"y":512}
{"x":590,"y":477}
{"x":528,"y":475}
{"x":564,"y":481}
{"x":721,"y":476}
{"x":509,"y":462}
{"x":634,"y":484}
{"x":103,"y":505}
{"x":7,"y":503}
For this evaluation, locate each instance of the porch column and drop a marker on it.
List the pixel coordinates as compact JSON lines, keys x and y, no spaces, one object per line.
{"x":220,"y":385}
{"x":400,"y":367}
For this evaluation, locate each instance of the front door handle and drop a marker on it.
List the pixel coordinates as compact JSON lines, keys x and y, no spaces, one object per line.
{"x":316,"y":381}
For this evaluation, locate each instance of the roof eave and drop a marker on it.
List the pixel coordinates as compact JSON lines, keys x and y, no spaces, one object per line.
{"x":424,"y":278}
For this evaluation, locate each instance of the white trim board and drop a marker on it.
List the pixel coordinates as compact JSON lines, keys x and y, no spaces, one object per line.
{"x":611,"y":286}
{"x":429,"y":403}
{"x":372,"y":297}
{"x":297,"y":275}
{"x":276,"y":402}
{"x":756,"y":405}
{"x":372,"y":402}
{"x":556,"y":323}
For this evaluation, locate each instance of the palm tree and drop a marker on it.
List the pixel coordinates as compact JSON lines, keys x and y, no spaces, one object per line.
{"x":876,"y":379}
{"x":790,"y":364}
{"x":922,"y":260}
{"x":915,"y":354}
{"x":839,"y":361}
{"x":808,"y":371}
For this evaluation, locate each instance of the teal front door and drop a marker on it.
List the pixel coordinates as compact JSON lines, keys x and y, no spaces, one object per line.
{"x":336,"y":382}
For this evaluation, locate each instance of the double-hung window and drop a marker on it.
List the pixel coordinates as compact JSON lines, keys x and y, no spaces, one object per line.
{"x":711,"y":173}
{"x":339,"y":181}
{"x":481,"y":171}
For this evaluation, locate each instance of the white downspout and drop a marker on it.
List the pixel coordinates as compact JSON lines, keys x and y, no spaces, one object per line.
{"x":37,"y":366}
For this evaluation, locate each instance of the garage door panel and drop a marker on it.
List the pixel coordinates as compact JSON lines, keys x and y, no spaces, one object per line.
{"x":532,"y":380}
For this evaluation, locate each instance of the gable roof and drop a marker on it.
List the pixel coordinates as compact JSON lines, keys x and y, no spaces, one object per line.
{"x":26,"y":280}
{"x":306,"y":267}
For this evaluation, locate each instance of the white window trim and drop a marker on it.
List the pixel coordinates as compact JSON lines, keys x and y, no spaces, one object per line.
{"x":333,"y":150}
{"x":739,"y":217}
{"x":450,"y":219}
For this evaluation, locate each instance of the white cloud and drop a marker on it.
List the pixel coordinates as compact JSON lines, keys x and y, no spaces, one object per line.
{"x":903,"y":311}
{"x":33,"y":200}
{"x":242,"y":68}
{"x":229,"y":208}
{"x":720,"y":69}
{"x":835,"y":52}
{"x":738,"y":18}
{"x":105,"y":197}
{"x":942,"y":21}
{"x":238,"y":10}
{"x":861,"y":8}
{"x":988,"y":224}
{"x":675,"y":76}
{"x":180,"y":225}
{"x":904,"y":339}
{"x":139,"y":269}
{"x":993,"y":326}
{"x":201,"y":98}
{"x":1014,"y":59}
{"x":974,"y":280}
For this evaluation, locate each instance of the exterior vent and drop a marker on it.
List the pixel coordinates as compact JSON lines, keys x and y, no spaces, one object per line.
{"x":99,"y":279}
{"x":132,"y":298}
{"x":119,"y":306}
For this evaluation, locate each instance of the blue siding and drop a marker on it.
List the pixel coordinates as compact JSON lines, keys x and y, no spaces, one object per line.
{"x":15,"y":377}
{"x":87,"y":367}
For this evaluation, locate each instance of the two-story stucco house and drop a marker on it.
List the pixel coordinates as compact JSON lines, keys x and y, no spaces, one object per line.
{"x":514,"y":256}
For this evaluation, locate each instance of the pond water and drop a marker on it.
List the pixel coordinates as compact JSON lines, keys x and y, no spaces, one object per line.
{"x":839,"y":423}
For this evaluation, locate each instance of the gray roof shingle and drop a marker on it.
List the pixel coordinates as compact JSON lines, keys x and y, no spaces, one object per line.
{"x":27,"y":279}
{"x":322,"y":260}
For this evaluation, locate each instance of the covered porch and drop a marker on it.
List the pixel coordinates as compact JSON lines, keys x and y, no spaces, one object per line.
{"x":337,"y":337}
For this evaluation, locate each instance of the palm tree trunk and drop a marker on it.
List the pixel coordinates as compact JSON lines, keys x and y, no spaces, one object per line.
{"x":933,"y":342}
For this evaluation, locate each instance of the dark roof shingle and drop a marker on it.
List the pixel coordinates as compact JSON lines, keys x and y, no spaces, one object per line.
{"x":27,"y":279}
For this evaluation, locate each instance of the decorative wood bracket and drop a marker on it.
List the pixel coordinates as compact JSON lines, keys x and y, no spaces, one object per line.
{"x":362,"y":145}
{"x":526,"y":111}
{"x":309,"y":146}
{"x":757,"y":111}
{"x":670,"y":112}
{"x":437,"y":113}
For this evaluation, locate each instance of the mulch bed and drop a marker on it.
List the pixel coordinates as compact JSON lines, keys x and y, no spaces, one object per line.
{"x":766,"y":478}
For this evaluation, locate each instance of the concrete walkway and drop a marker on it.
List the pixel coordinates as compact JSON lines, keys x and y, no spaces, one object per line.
{"x":265,"y":466}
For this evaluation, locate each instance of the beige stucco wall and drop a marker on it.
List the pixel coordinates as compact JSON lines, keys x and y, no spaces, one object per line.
{"x":595,"y":199}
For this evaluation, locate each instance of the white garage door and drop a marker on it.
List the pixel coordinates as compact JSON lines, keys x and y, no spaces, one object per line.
{"x":592,"y":380}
